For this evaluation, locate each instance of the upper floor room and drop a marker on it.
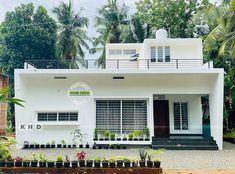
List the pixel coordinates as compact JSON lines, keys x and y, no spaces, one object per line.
{"x":161,"y":52}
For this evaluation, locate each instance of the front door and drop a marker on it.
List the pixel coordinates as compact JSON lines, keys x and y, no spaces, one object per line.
{"x":161,"y":118}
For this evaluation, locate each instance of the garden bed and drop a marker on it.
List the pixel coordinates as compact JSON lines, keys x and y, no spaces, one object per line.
{"x":38,"y":170}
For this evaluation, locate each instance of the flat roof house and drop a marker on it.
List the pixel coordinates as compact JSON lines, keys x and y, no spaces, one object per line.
{"x":162,"y":84}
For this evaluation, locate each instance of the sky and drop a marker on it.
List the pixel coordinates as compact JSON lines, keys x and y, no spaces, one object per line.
{"x":89,"y":6}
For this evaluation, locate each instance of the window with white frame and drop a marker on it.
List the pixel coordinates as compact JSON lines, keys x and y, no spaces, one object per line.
{"x":180,"y":115}
{"x":121,"y":116}
{"x":129,"y":51}
{"x":160,"y":53}
{"x":57,"y":116}
{"x":115,"y":52}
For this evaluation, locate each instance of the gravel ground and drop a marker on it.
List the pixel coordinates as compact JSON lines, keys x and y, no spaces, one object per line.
{"x":171,"y":159}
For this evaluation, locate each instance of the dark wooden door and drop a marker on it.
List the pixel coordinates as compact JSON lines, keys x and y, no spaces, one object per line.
{"x":161,"y":118}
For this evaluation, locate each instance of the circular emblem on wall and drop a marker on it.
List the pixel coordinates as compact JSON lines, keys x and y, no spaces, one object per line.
{"x":79,"y":93}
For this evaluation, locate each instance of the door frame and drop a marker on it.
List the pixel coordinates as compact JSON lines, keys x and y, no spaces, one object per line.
{"x":168,"y":117}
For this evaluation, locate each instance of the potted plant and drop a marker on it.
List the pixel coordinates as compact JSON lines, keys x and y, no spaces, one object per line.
{"x":111,"y":146}
{"x":107,"y":146}
{"x":143,"y":155}
{"x":105,"y":163}
{"x":112,"y":163}
{"x":97,"y":161}
{"x":149,"y":157}
{"x":157,"y":154}
{"x":48,"y":145}
{"x":9,"y":161}
{"x":52,"y":143}
{"x":26,"y":162}
{"x":26,"y":145}
{"x":59,"y":145}
{"x":94,"y":146}
{"x":81,"y":146}
{"x":146,"y":133}
{"x":118,"y":146}
{"x":134,"y":163}
{"x":59,"y":161}
{"x":63,"y":143}
{"x":69,"y":146}
{"x":130,"y":136}
{"x":119,"y":163}
{"x":42,"y":160}
{"x":100,"y":146}
{"x":127,"y":162}
{"x":123,"y":146}
{"x":74,"y":146}
{"x":137,"y":134}
{"x":95,"y":134}
{"x":124,"y":138}
{"x":34,"y":161}
{"x":107,"y":135}
{"x":112,"y":136}
{"x":42,"y":146}
{"x":32,"y":145}
{"x":118,"y":137}
{"x":67,"y":162}
{"x":89,"y":163}
{"x":18,"y":161}
{"x":87,"y":146}
{"x":2,"y":161}
{"x":50,"y":163}
{"x":81,"y":158}
{"x":74,"y":164}
{"x":36,"y":146}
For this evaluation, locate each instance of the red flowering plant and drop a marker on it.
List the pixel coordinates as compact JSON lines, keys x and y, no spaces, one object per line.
{"x":81,"y":155}
{"x":18,"y":159}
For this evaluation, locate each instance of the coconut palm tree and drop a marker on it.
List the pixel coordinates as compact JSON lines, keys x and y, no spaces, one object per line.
{"x":72,"y":37}
{"x":109,"y":24}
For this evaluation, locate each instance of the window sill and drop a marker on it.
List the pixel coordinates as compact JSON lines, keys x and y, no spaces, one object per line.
{"x":58,"y":123}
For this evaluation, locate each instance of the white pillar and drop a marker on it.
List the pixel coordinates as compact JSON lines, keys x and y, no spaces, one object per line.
{"x":216,"y":108}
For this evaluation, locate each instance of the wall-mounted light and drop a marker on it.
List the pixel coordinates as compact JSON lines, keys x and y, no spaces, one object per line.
{"x":60,"y":77}
{"x":118,"y":78}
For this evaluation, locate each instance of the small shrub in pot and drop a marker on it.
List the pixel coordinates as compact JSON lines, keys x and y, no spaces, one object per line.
{"x":59,"y":161}
{"x":87,"y":146}
{"x":48,"y":145}
{"x":112,"y":163}
{"x":66,"y":162}
{"x":36,"y":146}
{"x":50,"y":164}
{"x":157,"y":164}
{"x":81,"y":158}
{"x":156,"y":155}
{"x":42,"y":146}
{"x":143,"y":155}
{"x":52,"y":143}
{"x":74,"y":164}
{"x":18,"y":161}
{"x":42,"y":160}
{"x":26,"y":163}
{"x":10,"y":162}
{"x":112,"y":136}
{"x":34,"y":161}
{"x":105,"y":163}
{"x":63,"y":143}
{"x":89,"y":163}
{"x":106,"y":135}
{"x":97,"y":162}
{"x":119,"y":163}
{"x":130,"y":136}
{"x":127,"y":162}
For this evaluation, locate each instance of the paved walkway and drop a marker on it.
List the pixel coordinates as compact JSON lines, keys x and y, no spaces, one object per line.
{"x":171,"y":159}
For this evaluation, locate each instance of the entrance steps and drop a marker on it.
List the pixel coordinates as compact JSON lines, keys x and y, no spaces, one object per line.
{"x":184,"y":143}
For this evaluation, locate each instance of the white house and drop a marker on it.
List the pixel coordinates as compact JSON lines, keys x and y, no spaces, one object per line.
{"x":159,"y":84}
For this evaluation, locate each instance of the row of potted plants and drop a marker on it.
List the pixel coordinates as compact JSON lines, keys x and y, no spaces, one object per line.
{"x":147,"y":159}
{"x":52,"y":144}
{"x":135,"y":135}
{"x":109,"y":146}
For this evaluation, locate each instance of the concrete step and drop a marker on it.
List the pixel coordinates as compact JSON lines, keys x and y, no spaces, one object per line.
{"x":186,"y":147}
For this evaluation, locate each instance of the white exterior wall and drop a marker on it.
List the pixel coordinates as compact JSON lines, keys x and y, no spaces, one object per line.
{"x":43,"y":93}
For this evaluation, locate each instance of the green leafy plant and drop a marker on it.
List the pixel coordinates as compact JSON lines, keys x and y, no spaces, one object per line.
{"x":154,"y":154}
{"x":143,"y":154}
{"x":126,"y":159}
{"x":96,"y":131}
{"x":63,"y":142}
{"x":137,"y":133}
{"x":146,"y":132}
{"x":5,"y":99}
{"x":107,"y":134}
{"x":59,"y":158}
{"x":52,"y":142}
{"x":97,"y":159}
{"x":112,"y":135}
{"x":130,"y":135}
{"x":42,"y":157}
{"x":5,"y":143}
{"x":34,"y":157}
{"x":111,"y":160}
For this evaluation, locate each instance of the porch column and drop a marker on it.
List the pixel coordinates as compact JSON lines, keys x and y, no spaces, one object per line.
{"x":216,"y":108}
